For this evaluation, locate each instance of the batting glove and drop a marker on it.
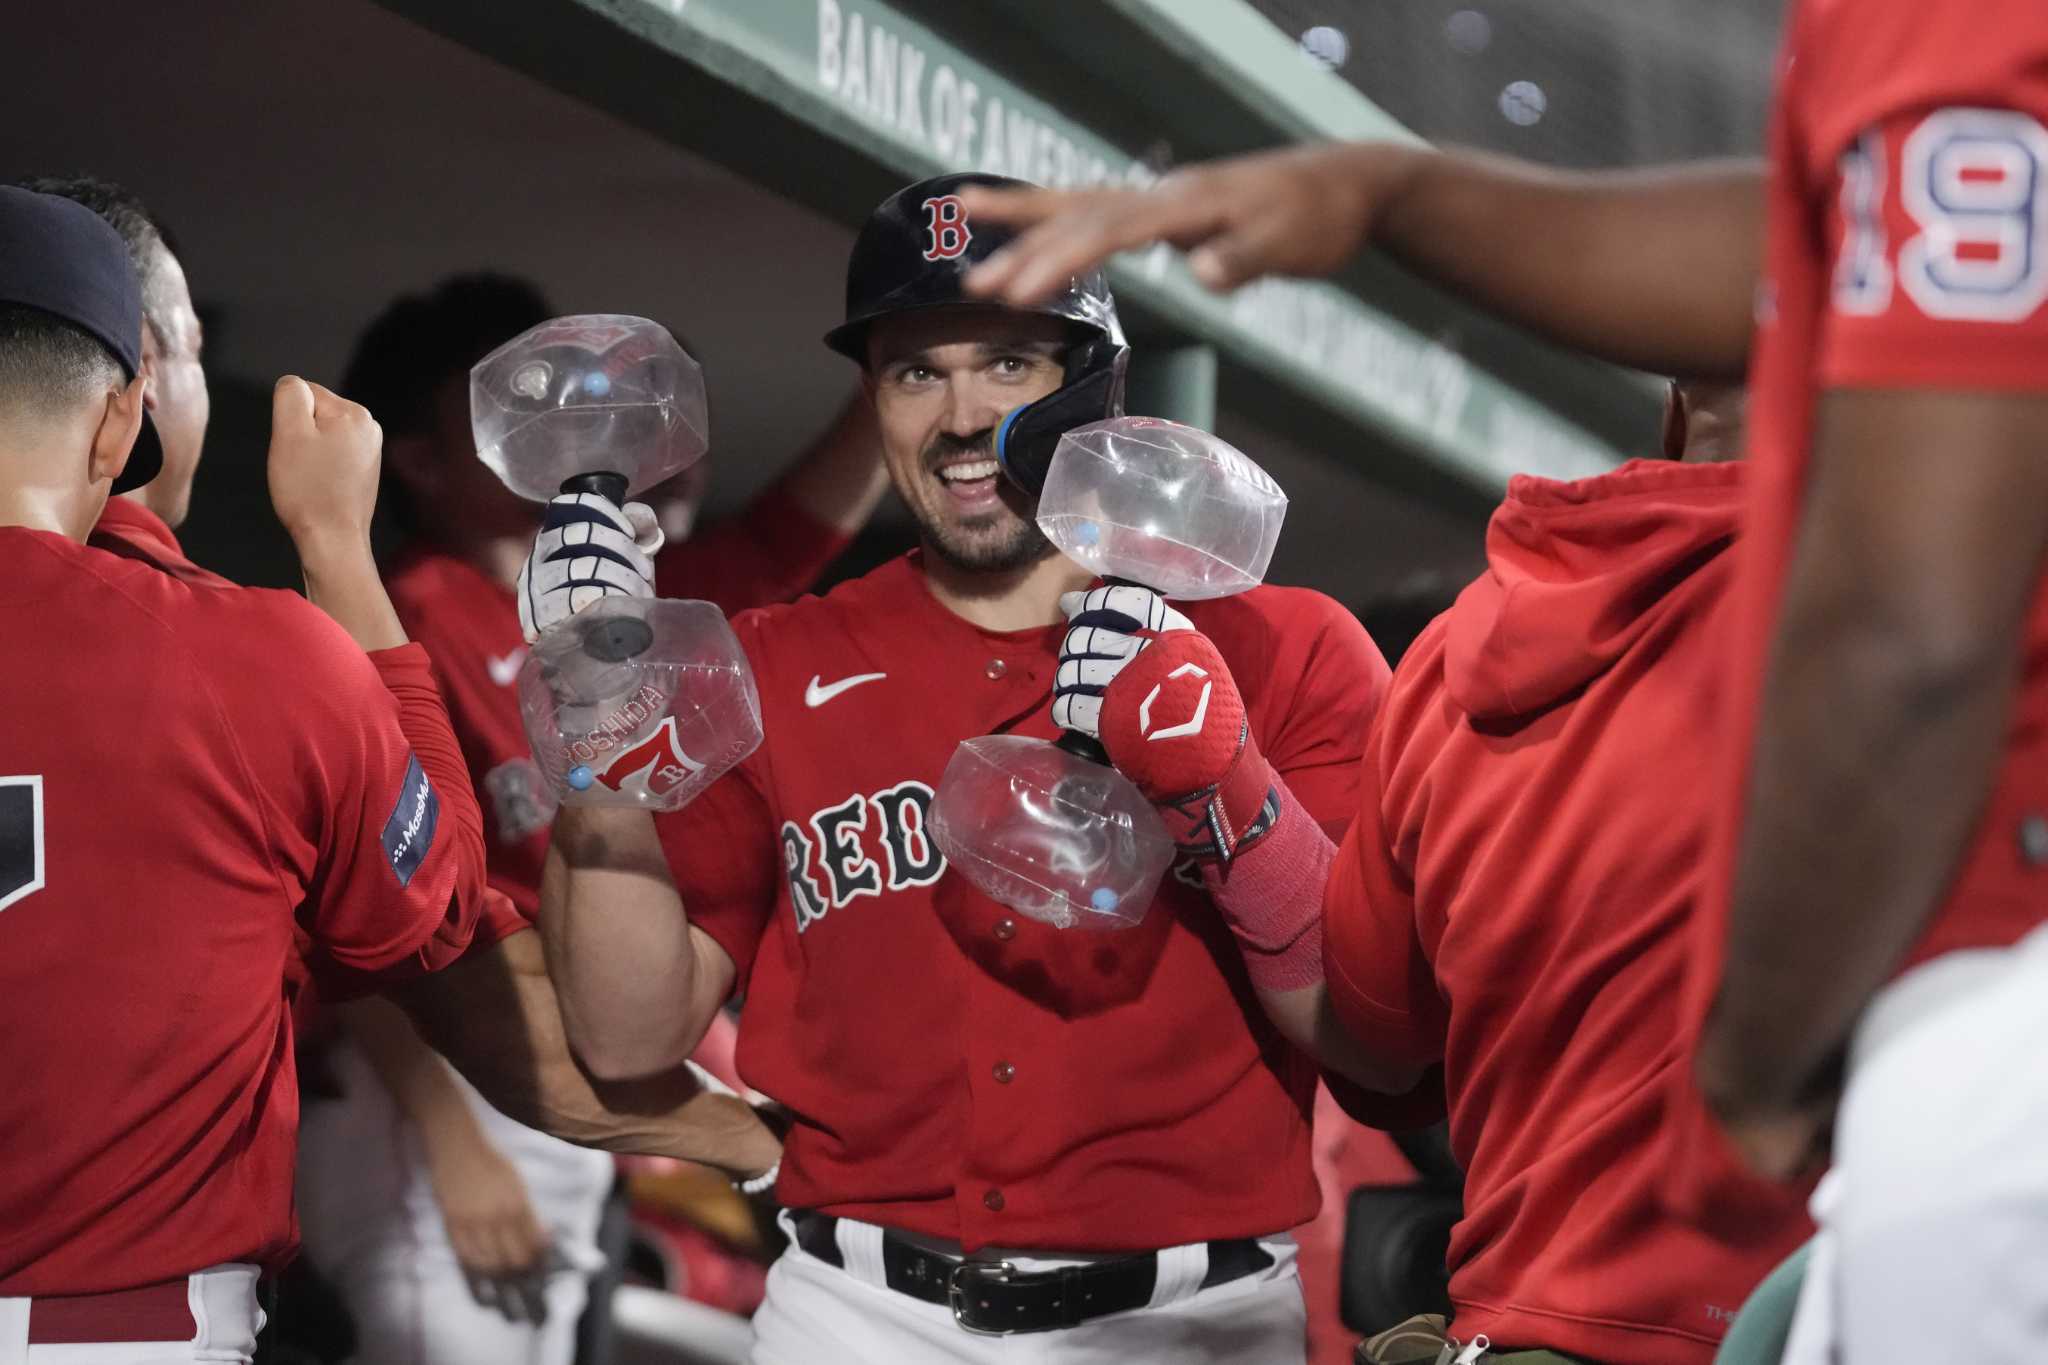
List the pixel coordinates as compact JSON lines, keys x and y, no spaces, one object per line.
{"x":589,"y":548}
{"x":1135,"y":674}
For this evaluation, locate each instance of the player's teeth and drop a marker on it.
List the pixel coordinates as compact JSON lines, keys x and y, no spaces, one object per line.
{"x":968,"y":473}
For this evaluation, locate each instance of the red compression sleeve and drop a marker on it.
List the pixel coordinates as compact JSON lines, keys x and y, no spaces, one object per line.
{"x":1271,"y":896}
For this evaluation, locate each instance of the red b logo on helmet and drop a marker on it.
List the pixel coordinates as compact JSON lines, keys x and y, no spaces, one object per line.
{"x":946,"y":224}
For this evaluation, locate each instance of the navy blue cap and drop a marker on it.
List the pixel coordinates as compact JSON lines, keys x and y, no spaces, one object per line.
{"x":62,"y":258}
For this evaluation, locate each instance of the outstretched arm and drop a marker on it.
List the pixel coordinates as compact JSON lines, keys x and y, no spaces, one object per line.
{"x":489,"y":1216}
{"x":1654,"y":268}
{"x":494,"y":1016}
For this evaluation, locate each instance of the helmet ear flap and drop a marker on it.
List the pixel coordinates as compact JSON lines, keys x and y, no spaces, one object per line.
{"x":1028,"y":437}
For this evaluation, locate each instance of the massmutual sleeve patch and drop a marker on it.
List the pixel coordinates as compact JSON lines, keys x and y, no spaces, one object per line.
{"x":409,"y":833}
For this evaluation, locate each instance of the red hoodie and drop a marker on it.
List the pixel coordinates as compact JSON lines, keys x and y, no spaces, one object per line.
{"x":1513,"y":902}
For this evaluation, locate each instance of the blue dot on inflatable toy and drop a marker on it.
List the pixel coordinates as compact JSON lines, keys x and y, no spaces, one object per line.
{"x":1103,"y":898}
{"x":580,"y":776}
{"x":1087,"y":533}
{"x":597,"y":383}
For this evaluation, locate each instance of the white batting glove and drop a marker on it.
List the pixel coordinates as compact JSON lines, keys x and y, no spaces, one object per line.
{"x":1106,"y":628}
{"x":589,"y":548}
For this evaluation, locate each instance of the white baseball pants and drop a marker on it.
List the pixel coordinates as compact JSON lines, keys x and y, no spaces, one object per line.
{"x":1933,"y":1242}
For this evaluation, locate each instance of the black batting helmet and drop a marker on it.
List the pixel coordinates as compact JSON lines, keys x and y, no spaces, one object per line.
{"x":911,"y":255}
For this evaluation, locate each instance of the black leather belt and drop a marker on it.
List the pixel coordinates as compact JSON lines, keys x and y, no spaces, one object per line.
{"x":991,"y":1298}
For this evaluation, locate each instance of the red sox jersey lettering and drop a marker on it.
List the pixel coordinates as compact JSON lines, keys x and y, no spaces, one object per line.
{"x":883,"y":993}
{"x":860,"y":847}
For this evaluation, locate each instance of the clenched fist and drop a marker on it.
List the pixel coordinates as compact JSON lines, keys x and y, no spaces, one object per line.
{"x":324,"y":453}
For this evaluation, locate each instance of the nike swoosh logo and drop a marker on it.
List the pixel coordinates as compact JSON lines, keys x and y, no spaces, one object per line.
{"x":505,"y":671}
{"x":815,"y":695}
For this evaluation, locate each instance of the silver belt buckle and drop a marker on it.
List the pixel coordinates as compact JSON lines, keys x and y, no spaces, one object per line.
{"x":996,"y":1272}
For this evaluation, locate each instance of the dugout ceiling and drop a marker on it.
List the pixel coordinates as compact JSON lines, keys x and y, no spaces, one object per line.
{"x":703,"y":162}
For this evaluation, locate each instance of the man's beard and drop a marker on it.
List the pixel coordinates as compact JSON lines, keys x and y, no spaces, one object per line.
{"x":1025,"y":546}
{"x":1020,"y":550}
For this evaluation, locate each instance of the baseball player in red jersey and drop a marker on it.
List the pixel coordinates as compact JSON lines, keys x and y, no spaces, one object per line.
{"x":482,"y":1241}
{"x":154,"y":859}
{"x":1891,"y":647}
{"x":1103,"y":1126}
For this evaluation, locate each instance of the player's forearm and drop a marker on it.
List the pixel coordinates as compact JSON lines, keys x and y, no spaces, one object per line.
{"x":1271,"y":896}
{"x":1872,"y":761}
{"x":619,"y":945}
{"x":342,"y":580}
{"x":841,"y":478}
{"x":495,"y":1017}
{"x":419,"y":1081}
{"x":1656,"y":269}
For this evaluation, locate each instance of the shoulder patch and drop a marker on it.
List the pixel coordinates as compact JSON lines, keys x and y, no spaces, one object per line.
{"x":409,"y":833}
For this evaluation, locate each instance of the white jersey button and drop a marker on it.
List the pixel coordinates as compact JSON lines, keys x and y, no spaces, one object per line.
{"x":996,"y":669}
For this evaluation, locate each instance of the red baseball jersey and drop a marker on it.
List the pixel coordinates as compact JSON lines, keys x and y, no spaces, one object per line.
{"x":1516,"y":903}
{"x":192,"y":770}
{"x":957,"y":1069}
{"x":469,"y":623}
{"x":1907,"y":249}
{"x":129,"y":529}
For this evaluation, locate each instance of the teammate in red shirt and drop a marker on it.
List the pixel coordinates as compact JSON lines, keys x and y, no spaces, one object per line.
{"x":1891,"y":646}
{"x":1518,"y":898}
{"x":1547,"y":986}
{"x":142,"y":523}
{"x":154,"y":860}
{"x":1104,"y":1123}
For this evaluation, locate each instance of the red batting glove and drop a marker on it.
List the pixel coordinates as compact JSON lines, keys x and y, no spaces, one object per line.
{"x":1174,"y":723}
